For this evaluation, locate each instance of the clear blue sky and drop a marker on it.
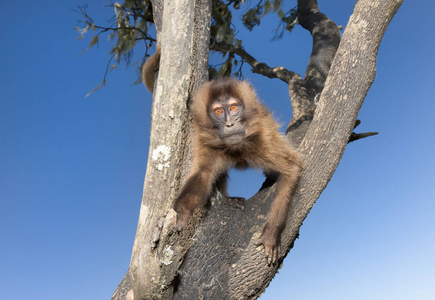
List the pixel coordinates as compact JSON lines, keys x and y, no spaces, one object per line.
{"x":72,"y":169}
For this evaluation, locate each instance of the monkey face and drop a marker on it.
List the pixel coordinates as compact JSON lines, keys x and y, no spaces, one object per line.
{"x":227,"y":116}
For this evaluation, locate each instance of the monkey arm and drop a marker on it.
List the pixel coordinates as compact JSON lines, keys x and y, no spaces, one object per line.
{"x":197,"y":188}
{"x":193,"y":195}
{"x":289,"y":173}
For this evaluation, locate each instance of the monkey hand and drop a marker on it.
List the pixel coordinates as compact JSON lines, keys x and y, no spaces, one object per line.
{"x":271,"y":240}
{"x":237,"y":202}
{"x":183,"y":217}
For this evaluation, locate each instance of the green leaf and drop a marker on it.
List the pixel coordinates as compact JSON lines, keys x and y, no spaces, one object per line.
{"x":80,"y":32}
{"x":110,"y":36}
{"x":220,"y":34}
{"x":212,"y":73}
{"x":267,"y":7}
{"x":223,"y":70}
{"x":276,"y":5}
{"x":91,"y":44}
{"x":229,"y":37}
{"x":97,"y":88}
{"x":93,"y":41}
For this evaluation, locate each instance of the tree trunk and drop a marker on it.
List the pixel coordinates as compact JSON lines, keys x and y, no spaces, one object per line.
{"x":184,"y":63}
{"x":222,"y":261}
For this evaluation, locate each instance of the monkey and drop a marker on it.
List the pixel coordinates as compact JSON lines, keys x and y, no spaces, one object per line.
{"x":233,"y":129}
{"x":149,"y":69}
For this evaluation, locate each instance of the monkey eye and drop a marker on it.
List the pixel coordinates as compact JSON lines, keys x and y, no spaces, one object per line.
{"x":233,"y":107}
{"x":218,"y":111}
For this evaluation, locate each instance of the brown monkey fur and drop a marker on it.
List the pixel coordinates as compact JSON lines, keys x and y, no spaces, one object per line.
{"x":257,"y":143}
{"x":149,"y":69}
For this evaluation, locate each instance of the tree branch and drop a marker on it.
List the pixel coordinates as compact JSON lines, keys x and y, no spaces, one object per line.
{"x":326,"y":38}
{"x":305,"y":92}
{"x":357,"y":136}
{"x":223,"y":261}
{"x":257,"y":67}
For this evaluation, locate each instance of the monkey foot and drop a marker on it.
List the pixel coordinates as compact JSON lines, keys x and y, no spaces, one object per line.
{"x":237,"y":202}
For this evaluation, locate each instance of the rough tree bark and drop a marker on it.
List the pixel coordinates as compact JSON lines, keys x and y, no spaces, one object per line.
{"x":182,"y":27}
{"x":222,"y":261}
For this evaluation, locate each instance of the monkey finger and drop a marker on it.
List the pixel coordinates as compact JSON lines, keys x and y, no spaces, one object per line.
{"x":275,"y":255}
{"x":266,"y":249}
{"x":178,"y":227}
{"x":269,"y":255}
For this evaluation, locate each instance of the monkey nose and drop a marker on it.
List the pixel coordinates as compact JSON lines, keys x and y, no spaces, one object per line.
{"x":229,"y":124}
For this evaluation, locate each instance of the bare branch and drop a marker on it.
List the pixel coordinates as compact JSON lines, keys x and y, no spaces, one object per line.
{"x":357,"y":136}
{"x":257,"y":67}
{"x":357,"y":122}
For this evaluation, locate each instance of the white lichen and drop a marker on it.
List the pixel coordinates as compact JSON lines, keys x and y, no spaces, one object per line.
{"x":168,"y":253}
{"x":161,"y":155}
